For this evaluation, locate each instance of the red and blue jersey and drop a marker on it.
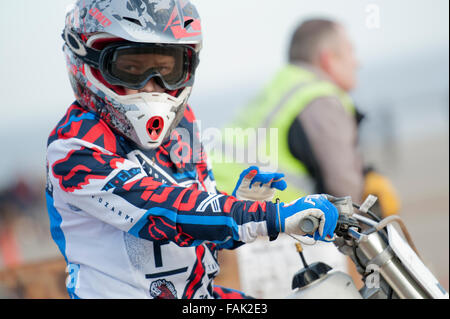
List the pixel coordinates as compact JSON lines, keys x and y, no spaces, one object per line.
{"x":135,"y":223}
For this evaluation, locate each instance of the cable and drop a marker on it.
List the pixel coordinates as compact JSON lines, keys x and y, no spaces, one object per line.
{"x":311,"y":243}
{"x":365,"y":220}
{"x":370,"y":213}
{"x":395,"y":218}
{"x":390,"y":292}
{"x":383,"y":223}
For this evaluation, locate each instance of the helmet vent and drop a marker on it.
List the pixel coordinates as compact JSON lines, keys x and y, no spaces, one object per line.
{"x":132,"y":20}
{"x":155,"y":127}
{"x":188,"y":22}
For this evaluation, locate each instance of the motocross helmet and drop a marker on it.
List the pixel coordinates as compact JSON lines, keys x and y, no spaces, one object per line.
{"x":115,"y":44}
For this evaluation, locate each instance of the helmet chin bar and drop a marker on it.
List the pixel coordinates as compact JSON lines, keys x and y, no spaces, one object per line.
{"x":151,"y":107}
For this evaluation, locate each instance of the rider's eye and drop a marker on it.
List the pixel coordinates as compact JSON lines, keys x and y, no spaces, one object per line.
{"x":130,"y":68}
{"x":164,"y":70}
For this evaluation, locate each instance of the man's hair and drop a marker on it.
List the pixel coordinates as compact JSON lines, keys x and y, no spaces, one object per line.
{"x":309,"y":37}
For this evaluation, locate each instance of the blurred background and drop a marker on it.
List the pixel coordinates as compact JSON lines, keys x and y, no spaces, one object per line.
{"x":403,"y":46}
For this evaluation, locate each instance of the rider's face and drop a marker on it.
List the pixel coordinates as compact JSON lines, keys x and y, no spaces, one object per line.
{"x":137,"y":64}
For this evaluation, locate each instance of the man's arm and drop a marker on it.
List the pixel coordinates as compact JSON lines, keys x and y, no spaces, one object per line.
{"x":332,"y":134}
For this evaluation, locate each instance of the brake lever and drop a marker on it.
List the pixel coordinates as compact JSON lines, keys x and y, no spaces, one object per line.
{"x":344,"y":223}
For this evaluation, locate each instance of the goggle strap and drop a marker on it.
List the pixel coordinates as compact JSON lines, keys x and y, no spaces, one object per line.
{"x":77,"y":46}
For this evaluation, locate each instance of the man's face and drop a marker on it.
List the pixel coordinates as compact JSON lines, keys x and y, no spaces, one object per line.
{"x":342,"y":63}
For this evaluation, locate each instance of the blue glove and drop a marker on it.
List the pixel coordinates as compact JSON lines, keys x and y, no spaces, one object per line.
{"x":318,"y":206}
{"x":258,"y":186}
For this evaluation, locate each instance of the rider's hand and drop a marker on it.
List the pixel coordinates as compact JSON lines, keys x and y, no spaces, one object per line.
{"x":317,"y":206}
{"x":258,"y":186}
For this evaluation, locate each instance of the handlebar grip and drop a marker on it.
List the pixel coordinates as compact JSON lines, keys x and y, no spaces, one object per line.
{"x":309,"y":224}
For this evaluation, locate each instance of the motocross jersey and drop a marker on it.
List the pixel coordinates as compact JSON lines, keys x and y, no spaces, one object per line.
{"x":135,"y":223}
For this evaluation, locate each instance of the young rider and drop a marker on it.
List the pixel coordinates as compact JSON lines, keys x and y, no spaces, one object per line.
{"x":133,"y":205}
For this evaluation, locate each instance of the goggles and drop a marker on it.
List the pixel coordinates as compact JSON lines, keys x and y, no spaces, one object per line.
{"x":132,"y":65}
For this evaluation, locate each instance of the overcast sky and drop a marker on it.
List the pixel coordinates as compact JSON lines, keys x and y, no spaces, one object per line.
{"x":244,"y":40}
{"x":244,"y":44}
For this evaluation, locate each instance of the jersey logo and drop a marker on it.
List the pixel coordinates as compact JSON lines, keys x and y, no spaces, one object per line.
{"x":163,"y":289}
{"x":213,"y":201}
{"x":98,"y":15}
{"x":80,"y":166}
{"x":184,"y":26}
{"x":160,"y":229}
{"x":121,"y":178}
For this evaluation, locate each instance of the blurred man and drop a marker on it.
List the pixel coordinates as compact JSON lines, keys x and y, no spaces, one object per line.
{"x":317,"y":122}
{"x":324,"y":65}
{"x":308,"y":102}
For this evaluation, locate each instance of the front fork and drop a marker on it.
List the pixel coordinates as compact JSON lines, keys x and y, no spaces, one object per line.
{"x":371,"y":252}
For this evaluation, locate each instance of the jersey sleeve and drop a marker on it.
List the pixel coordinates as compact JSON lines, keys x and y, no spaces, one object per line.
{"x":89,"y":177}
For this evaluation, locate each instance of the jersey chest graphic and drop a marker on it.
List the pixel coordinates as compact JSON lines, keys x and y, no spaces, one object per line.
{"x":165,"y":175}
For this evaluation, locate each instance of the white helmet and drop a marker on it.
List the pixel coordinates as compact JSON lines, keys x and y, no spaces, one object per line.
{"x":115,"y":44}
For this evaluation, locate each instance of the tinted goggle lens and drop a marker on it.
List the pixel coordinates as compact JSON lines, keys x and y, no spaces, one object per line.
{"x":134,"y":66}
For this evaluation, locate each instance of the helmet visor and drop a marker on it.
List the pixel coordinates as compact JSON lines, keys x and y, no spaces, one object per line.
{"x":132,"y":66}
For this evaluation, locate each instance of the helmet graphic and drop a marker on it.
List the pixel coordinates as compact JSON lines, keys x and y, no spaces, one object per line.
{"x":115,"y":44}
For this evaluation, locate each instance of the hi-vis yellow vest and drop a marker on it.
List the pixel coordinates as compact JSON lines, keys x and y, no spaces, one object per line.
{"x":274,"y":110}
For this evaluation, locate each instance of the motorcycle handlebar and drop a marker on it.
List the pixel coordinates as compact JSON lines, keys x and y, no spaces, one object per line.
{"x":309,"y":224}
